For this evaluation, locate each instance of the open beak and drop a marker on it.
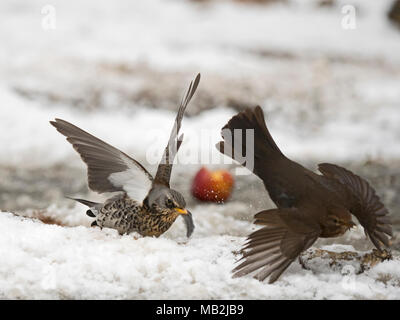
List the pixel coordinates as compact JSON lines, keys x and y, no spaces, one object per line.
{"x":181,"y":211}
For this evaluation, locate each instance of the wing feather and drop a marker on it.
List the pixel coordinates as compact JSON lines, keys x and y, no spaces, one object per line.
{"x":163,"y":174}
{"x":109,"y":169}
{"x":363,"y":203}
{"x":271,"y":249}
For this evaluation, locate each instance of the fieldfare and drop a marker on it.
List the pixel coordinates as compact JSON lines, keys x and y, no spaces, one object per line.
{"x":144,"y":204}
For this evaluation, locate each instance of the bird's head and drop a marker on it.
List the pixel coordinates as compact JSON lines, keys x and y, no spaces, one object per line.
{"x":338,"y":221}
{"x":166,"y":198}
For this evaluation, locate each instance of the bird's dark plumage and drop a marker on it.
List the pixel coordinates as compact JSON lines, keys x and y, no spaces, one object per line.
{"x":147,"y":205}
{"x":362,"y":202}
{"x":309,"y":205}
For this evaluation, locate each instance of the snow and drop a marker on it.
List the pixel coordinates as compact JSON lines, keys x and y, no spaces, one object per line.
{"x":22,"y":119}
{"x":61,"y":60}
{"x":50,"y":62}
{"x":44,"y":261}
{"x":219,"y":39}
{"x":91,"y":30}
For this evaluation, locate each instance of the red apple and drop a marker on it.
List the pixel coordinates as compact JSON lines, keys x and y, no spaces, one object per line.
{"x":213,"y":186}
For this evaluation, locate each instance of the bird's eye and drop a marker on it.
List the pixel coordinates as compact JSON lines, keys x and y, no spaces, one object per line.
{"x":336,"y":221}
{"x":169,"y":203}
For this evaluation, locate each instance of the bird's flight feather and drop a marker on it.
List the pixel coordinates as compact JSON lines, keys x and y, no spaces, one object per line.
{"x":163,"y":174}
{"x":363,"y":203}
{"x":109,"y":169}
{"x":271,"y":249}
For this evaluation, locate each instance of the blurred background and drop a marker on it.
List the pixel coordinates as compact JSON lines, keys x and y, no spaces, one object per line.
{"x":325,"y":72}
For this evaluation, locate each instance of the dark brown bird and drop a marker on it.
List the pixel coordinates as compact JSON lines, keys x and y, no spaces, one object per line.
{"x":144,"y":204}
{"x":309,"y":205}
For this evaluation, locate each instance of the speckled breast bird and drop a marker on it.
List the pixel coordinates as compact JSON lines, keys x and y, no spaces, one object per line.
{"x":309,"y":205}
{"x":143,"y":204}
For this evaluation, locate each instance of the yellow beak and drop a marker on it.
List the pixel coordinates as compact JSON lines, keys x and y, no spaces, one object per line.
{"x":181,"y":211}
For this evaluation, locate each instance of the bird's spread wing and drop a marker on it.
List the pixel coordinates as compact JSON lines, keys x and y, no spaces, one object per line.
{"x":271,"y":249}
{"x":163,"y":174}
{"x":363,"y":203}
{"x":109,"y":169}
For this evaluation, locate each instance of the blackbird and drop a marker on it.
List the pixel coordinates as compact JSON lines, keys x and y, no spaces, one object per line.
{"x":144,"y":204}
{"x":309,"y":205}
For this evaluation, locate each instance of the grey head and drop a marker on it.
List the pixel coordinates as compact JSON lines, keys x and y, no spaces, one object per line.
{"x":162,"y":198}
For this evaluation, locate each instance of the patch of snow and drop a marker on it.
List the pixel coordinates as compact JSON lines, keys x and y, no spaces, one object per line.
{"x":41,"y":261}
{"x":338,"y":247}
{"x":28,"y":134}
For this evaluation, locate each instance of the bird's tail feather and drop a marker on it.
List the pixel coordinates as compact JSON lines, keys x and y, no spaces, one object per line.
{"x":92,"y":212}
{"x":264,"y":145}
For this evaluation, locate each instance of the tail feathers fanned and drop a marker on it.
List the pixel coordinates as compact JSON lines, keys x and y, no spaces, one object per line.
{"x":264,"y":145}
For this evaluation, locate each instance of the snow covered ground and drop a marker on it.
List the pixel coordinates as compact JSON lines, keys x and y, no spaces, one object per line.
{"x":48,"y":261}
{"x":114,"y":68}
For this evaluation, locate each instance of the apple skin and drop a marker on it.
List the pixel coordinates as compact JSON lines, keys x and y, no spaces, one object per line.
{"x":214,"y":186}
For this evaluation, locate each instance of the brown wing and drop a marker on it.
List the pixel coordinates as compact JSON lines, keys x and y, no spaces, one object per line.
{"x":363,"y":203}
{"x":274,"y":247}
{"x":109,"y":169}
{"x":163,"y":174}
